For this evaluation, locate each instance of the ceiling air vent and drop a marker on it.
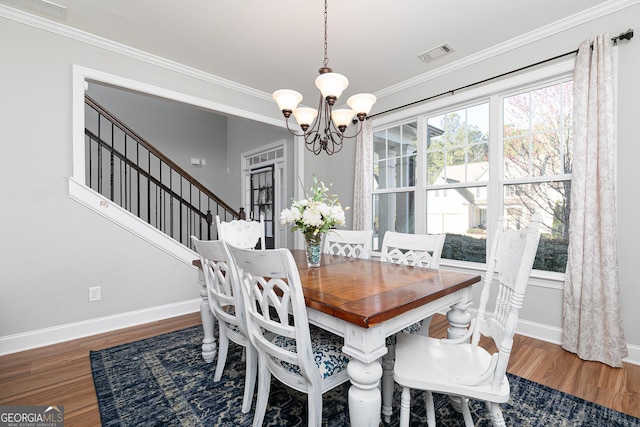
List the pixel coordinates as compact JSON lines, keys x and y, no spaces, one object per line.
{"x":435,"y":53}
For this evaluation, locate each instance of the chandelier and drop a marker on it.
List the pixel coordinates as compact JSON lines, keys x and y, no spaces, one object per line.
{"x":324,"y":128}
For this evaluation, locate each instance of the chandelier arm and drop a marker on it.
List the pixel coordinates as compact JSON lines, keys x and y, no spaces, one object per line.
{"x":360,"y":127}
{"x":344,"y":135}
{"x":317,"y":120}
{"x":327,"y":118}
{"x":318,"y":145}
{"x":336,"y":146}
{"x":291,"y":131}
{"x":312,"y":141}
{"x":336,"y":130}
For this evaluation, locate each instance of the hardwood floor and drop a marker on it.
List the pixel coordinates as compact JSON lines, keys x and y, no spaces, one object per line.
{"x":60,"y":374}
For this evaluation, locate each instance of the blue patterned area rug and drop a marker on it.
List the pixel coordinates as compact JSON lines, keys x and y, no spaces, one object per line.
{"x":163,"y":381}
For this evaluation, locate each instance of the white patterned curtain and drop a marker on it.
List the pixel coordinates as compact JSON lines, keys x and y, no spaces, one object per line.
{"x":363,"y":180}
{"x":592,"y":327}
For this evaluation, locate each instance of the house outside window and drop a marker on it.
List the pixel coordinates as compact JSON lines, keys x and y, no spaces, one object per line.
{"x":458,"y":164}
{"x":457,"y":168}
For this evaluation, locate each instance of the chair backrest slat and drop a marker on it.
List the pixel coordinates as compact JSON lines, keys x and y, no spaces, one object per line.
{"x":223,"y":292}
{"x":241,"y":233}
{"x":420,"y":250}
{"x":351,"y":243}
{"x":274,"y":301}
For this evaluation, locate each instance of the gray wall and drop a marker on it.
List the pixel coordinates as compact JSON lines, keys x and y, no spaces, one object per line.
{"x":182,"y":132}
{"x":53,"y":248}
{"x":336,"y":171}
{"x":178,"y":130}
{"x":246,"y":135}
{"x":543,"y":305}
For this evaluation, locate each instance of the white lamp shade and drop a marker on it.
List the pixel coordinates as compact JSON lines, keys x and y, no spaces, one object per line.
{"x":304,"y":115}
{"x":342,"y":117}
{"x":361,"y":102}
{"x":287,"y":99}
{"x":331,"y":84}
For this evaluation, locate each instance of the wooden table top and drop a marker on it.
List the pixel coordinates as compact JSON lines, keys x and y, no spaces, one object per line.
{"x":369,"y":292}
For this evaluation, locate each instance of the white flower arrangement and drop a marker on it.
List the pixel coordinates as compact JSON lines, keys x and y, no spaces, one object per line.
{"x":315,"y":215}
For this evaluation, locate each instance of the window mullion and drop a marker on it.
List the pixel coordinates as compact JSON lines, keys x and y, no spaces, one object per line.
{"x":494,"y":188}
{"x":421,"y":178}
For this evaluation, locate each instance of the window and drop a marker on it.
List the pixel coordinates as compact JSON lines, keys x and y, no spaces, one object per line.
{"x":394,"y":174}
{"x":458,"y":163}
{"x":536,"y":162}
{"x":456,"y":169}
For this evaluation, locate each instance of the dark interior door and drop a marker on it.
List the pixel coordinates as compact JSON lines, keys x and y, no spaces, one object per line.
{"x":262,"y":197}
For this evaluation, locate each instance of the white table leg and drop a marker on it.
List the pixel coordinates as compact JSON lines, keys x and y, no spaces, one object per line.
{"x":209,"y":347}
{"x":459,"y":317}
{"x":364,"y":395}
{"x":387,"y":382}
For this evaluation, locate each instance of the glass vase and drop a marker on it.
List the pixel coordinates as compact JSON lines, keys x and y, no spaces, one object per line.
{"x":313,"y":248}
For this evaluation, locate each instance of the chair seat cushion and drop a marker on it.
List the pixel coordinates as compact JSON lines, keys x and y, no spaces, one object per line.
{"x":327,"y":352}
{"x":233,"y":328}
{"x":449,"y":369}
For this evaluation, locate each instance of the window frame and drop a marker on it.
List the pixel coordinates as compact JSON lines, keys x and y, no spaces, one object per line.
{"x":494,"y":93}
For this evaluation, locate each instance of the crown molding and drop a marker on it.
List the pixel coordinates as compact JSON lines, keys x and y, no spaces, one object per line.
{"x":121,"y":49}
{"x":530,"y":37}
{"x":515,"y":43}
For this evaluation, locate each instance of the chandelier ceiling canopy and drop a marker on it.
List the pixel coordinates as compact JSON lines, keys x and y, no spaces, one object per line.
{"x":324,"y":128}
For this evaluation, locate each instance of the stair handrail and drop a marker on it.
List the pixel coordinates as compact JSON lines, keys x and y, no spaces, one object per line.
{"x":139,"y":139}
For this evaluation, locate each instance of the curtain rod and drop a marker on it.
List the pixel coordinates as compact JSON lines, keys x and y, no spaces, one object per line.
{"x":627,"y":35}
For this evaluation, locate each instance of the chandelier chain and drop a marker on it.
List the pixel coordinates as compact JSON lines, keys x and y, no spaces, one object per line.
{"x":326,"y":57}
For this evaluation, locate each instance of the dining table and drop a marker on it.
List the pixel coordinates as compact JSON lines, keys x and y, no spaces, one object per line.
{"x":364,"y":301}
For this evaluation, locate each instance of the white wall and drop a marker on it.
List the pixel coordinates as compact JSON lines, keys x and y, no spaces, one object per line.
{"x":53,"y":248}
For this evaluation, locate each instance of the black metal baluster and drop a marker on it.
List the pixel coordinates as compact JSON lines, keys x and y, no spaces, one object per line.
{"x":166,"y":200}
{"x":111,"y":166}
{"x":100,"y":154}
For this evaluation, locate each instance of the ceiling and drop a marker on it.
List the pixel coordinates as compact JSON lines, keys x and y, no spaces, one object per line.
{"x":274,"y":44}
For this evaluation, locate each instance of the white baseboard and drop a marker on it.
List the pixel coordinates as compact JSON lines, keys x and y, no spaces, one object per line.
{"x":42,"y":337}
{"x":554,"y":335}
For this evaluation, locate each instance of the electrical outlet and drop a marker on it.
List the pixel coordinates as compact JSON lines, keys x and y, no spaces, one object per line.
{"x":94,"y":293}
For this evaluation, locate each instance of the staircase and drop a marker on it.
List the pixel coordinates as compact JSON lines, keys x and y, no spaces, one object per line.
{"x":126,"y":169}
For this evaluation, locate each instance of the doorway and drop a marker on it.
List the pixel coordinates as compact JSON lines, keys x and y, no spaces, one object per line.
{"x":264,"y":178}
{"x":262,"y":193}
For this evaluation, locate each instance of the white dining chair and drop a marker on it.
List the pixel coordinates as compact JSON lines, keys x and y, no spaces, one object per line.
{"x":242,"y":233}
{"x":305,"y":358}
{"x":418,"y":250}
{"x":227,"y":305}
{"x":464,"y":369}
{"x":351,"y":243}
